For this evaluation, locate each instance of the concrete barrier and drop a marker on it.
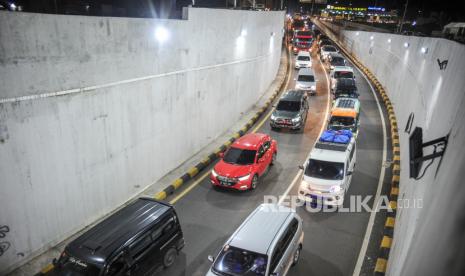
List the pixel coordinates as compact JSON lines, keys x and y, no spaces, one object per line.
{"x":93,"y":110}
{"x":424,"y":80}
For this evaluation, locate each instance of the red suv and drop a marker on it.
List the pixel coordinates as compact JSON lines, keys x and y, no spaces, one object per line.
{"x":245,"y":161}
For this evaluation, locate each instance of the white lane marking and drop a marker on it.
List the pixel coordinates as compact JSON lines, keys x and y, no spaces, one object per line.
{"x":371,"y":221}
{"x":297,"y":176}
{"x":299,"y":173}
{"x":95,"y":87}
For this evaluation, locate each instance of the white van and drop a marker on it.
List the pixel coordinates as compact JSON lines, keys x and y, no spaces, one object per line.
{"x":340,"y":72}
{"x":328,"y":173}
{"x":267,"y":243}
{"x":303,"y":60}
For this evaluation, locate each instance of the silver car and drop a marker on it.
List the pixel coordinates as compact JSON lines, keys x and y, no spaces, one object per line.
{"x":306,"y":81}
{"x":267,"y":243}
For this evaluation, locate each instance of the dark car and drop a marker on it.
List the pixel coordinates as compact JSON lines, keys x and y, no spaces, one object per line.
{"x":336,"y":60}
{"x":345,"y":87}
{"x":144,"y":235}
{"x":291,"y":111}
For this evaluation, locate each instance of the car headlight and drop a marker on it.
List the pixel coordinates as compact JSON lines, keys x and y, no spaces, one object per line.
{"x":214,"y":173}
{"x":243,"y":178}
{"x":335,"y":189}
{"x":273,"y":117}
{"x":296,"y":119}
{"x":313,"y":87}
{"x":298,"y":85}
{"x":332,"y":67}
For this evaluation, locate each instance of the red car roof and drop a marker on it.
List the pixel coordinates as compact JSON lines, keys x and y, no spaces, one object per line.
{"x":250,"y":141}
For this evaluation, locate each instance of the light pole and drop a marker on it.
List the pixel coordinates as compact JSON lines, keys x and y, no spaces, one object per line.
{"x":403,"y":17}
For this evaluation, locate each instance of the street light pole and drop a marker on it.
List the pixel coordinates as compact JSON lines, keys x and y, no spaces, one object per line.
{"x":403,"y":17}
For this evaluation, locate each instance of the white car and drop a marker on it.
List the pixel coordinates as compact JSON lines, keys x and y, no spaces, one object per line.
{"x":328,"y":172}
{"x":303,"y":60}
{"x":338,"y":72}
{"x":326,"y":50}
{"x":306,"y":81}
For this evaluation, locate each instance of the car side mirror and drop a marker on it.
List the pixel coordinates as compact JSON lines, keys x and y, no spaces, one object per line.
{"x":349,"y":172}
{"x":221,"y":155}
{"x":211,"y":258}
{"x":54,"y":261}
{"x":295,"y":79}
{"x":301,"y":167}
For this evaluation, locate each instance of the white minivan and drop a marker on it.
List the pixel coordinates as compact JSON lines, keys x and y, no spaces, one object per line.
{"x":328,"y":172}
{"x":267,"y":243}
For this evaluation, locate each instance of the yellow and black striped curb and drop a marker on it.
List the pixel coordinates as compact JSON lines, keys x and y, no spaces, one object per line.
{"x":192,"y":172}
{"x":388,"y":231}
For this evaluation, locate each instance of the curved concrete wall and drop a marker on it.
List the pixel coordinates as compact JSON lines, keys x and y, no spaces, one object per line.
{"x":428,"y":237}
{"x":93,"y":110}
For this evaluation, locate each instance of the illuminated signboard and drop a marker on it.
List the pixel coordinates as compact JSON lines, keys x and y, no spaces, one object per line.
{"x":376,"y":9}
{"x":342,"y":8}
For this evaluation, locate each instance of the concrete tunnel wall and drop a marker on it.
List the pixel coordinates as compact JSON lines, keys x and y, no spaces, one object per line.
{"x":95,"y":109}
{"x":430,"y":222}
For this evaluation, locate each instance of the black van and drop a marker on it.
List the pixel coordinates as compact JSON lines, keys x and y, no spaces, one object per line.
{"x":144,"y":235}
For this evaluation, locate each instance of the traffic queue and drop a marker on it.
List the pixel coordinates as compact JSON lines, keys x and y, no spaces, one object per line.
{"x":270,"y":240}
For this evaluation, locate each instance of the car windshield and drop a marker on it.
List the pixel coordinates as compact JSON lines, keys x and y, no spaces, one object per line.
{"x":234,"y":261}
{"x":306,"y":78}
{"x":288,"y":106}
{"x":343,"y":74}
{"x":303,"y":58}
{"x":324,"y":169}
{"x":329,"y":49}
{"x":74,"y":267}
{"x":344,"y":121}
{"x":337,"y":61}
{"x":239,"y":156}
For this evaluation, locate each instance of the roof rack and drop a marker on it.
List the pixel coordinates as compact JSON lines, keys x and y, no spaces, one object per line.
{"x":346,"y":103}
{"x":331,"y":146}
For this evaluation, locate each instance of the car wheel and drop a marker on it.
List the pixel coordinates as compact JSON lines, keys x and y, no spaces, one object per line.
{"x":170,"y":257}
{"x":296,"y":257}
{"x":254,"y":183}
{"x":273,"y":159}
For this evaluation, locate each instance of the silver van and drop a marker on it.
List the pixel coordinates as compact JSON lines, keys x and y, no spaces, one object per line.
{"x":306,"y":81}
{"x":267,"y":243}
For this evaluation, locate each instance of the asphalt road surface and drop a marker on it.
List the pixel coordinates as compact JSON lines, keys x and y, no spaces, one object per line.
{"x":332,"y":240}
